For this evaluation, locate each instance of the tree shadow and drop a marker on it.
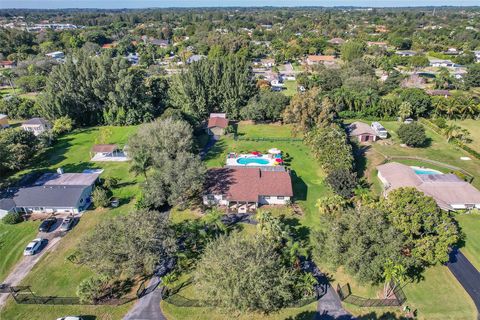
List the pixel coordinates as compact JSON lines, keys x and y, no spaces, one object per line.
{"x":88,"y":317}
{"x":302,"y":233}
{"x":300,"y":189}
{"x":360,"y":158}
{"x":217,"y":149}
{"x":384,"y":316}
{"x":305,"y":315}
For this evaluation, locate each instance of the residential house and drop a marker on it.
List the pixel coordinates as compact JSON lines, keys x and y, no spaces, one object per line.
{"x":156,"y":42}
{"x":336,"y":41}
{"x":246,"y":188}
{"x":52,"y":193}
{"x":449,"y":191}
{"x":57,"y":55}
{"x":441,"y":63}
{"x":217,"y":123}
{"x":405,"y":53}
{"x":439,"y":93}
{"x":109,"y":45}
{"x":8,"y":64}
{"x":362,"y":131}
{"x":4,"y":121}
{"x":195,"y":58}
{"x":267,"y":63}
{"x":380,"y":44}
{"x":477,"y":55}
{"x":318,"y":59}
{"x":36,"y":125}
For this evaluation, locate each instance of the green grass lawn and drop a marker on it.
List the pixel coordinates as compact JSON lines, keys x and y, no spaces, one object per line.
{"x":290,"y":87}
{"x":470,"y":224}
{"x":473,"y":126}
{"x":307,"y":176}
{"x":13,"y":239}
{"x":53,"y":274}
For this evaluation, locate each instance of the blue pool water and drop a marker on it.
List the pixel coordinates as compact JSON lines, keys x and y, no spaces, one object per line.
{"x":247,"y":161}
{"x":425,"y":171}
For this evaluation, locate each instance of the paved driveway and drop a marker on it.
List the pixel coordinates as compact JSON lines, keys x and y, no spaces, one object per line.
{"x":466,"y":274}
{"x":25,"y":265}
{"x":148,"y":306}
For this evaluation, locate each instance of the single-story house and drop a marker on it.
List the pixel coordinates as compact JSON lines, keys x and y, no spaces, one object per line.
{"x":380,"y":44}
{"x":362,"y":131}
{"x":449,"y":191}
{"x":57,"y":55}
{"x":318,"y":59}
{"x":36,"y":125}
{"x":8,"y":64}
{"x":440,"y":93}
{"x":267,"y":63}
{"x":56,"y":193}
{"x":246,"y":188}
{"x":217,"y":123}
{"x":441,"y":63}
{"x":336,"y":41}
{"x":405,"y":53}
{"x":195,"y":58}
{"x":4,"y":121}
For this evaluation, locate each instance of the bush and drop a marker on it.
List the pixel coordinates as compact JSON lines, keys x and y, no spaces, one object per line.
{"x":100,"y":198}
{"x":62,"y":125}
{"x":412,"y":134}
{"x":439,"y":122}
{"x":12,"y":218}
{"x":342,"y":182}
{"x":93,"y":289}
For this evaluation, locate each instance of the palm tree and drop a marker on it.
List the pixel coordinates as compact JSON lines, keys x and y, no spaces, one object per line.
{"x":7,"y":74}
{"x":331,"y":204}
{"x":307,"y":284}
{"x":451,"y":131}
{"x":140,"y":163}
{"x":213,"y":221}
{"x":394,"y":275}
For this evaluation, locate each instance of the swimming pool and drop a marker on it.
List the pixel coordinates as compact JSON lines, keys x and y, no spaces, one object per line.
{"x":419,"y":170}
{"x":254,"y":160}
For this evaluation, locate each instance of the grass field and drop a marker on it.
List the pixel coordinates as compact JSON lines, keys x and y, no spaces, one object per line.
{"x":307,"y":175}
{"x":470,"y":224}
{"x":53,"y":274}
{"x":13,"y":239}
{"x":290,"y":88}
{"x":473,"y":126}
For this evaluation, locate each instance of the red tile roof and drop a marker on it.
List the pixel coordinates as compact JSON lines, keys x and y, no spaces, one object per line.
{"x":104,"y":148}
{"x":247,"y":184}
{"x":217,"y":122}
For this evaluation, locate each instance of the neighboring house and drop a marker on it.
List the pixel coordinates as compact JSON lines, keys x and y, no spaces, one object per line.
{"x":195,"y":58}
{"x":362,"y":131}
{"x":109,"y":45}
{"x":405,"y":53}
{"x":105,"y":150}
{"x":477,"y":55}
{"x":440,"y":93}
{"x":133,"y":58}
{"x":317,"y":59}
{"x":448,"y":190}
{"x":267,"y":63}
{"x":4,"y":121}
{"x":56,"y":193}
{"x":379,"y":130}
{"x":336,"y":41}
{"x":7,"y":205}
{"x":57,"y":55}
{"x":441,"y":63}
{"x":380,"y":44}
{"x":244,"y":189}
{"x":156,"y":42}
{"x":217,"y":123}
{"x":8,"y":64}
{"x":36,"y":125}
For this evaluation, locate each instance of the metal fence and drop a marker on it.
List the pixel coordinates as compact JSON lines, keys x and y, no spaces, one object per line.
{"x":239,"y":138}
{"x":345,"y":294}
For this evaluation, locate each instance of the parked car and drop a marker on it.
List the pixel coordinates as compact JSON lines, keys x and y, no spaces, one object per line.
{"x":70,"y":318}
{"x":33,"y":247}
{"x":67,"y":224}
{"x":47,"y":224}
{"x":408,"y":121}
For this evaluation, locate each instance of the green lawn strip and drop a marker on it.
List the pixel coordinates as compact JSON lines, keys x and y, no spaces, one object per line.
{"x":440,"y":296}
{"x":470,"y":225}
{"x":473,"y":127}
{"x":13,"y":239}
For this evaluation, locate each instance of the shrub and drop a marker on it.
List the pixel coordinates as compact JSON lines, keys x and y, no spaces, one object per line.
{"x":12,"y":218}
{"x":62,"y":125}
{"x":440,"y":122}
{"x":93,"y":289}
{"x":342,"y":182}
{"x":412,"y":134}
{"x":110,"y":183}
{"x":100,"y":198}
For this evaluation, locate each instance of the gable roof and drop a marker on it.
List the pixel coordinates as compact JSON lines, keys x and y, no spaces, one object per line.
{"x":104,"y":148}
{"x":247,"y":184}
{"x":36,"y":121}
{"x":48,"y":196}
{"x":67,"y":179}
{"x":358,"y":128}
{"x":315,"y":58}
{"x":217,"y":122}
{"x":7,"y":204}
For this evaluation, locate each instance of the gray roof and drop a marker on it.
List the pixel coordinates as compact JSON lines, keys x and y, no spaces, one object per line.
{"x":48,"y":196}
{"x":3,"y":116}
{"x":195,"y":58}
{"x":7,"y":204}
{"x":67,"y":179}
{"x":36,"y":121}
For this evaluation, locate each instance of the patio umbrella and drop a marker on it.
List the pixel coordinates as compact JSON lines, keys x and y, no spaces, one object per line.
{"x":274,"y":151}
{"x":256,"y":153}
{"x":279,"y":160}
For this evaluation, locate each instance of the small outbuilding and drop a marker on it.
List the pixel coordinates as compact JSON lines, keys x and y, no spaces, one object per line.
{"x":4,"y":121}
{"x":36,"y":125}
{"x":217,"y":123}
{"x":362,"y":131}
{"x":107,"y":152}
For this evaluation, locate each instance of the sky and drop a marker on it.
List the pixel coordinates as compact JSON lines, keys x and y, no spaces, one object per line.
{"x":116,"y":4}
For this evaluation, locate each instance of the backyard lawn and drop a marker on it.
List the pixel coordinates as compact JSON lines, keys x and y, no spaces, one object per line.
{"x":290,"y":88}
{"x":54,"y":274}
{"x":13,"y":239}
{"x":473,"y":126}
{"x":470,"y":224}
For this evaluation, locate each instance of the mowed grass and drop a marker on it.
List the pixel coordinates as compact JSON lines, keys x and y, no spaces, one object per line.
{"x":473,"y":127}
{"x":13,"y":239}
{"x":470,"y":225}
{"x":290,"y":88}
{"x":54,"y":274}
{"x":307,"y":176}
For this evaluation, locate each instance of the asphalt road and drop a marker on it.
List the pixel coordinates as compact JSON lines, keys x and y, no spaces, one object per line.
{"x":466,"y":274}
{"x":148,"y":306}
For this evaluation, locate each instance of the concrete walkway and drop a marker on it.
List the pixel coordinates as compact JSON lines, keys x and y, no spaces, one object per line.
{"x":466,"y":274}
{"x":148,"y":306}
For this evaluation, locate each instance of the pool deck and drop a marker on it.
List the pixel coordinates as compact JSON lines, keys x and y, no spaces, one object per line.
{"x":233,"y":161}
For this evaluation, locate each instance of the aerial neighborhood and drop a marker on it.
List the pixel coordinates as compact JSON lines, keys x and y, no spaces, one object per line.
{"x":239,"y":162}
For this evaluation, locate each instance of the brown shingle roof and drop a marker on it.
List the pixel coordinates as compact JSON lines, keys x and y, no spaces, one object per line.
{"x":247,"y":184}
{"x":217,"y":122}
{"x":314,"y":58}
{"x":358,"y":128}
